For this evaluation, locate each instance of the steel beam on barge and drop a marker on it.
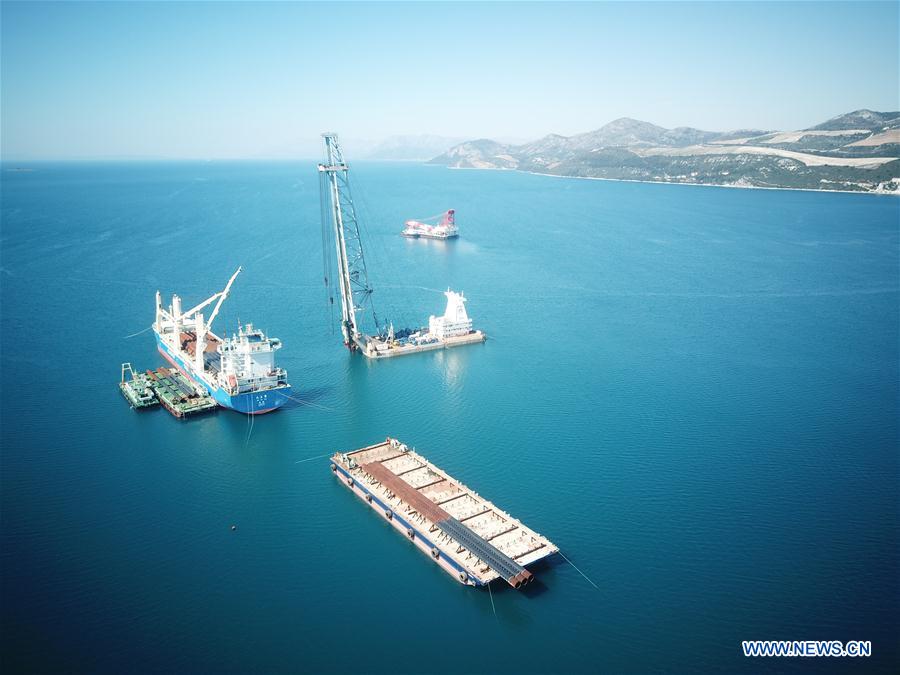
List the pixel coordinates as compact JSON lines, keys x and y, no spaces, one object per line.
{"x":475,"y":515}
{"x":403,"y":473}
{"x":388,"y":459}
{"x":500,"y":534}
{"x":514,"y":573}
{"x":434,"y":482}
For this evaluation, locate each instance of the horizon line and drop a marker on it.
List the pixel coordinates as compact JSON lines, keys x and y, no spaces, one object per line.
{"x":191,"y":159}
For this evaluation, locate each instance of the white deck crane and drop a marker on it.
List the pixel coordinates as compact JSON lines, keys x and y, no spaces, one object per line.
{"x":193,"y":315}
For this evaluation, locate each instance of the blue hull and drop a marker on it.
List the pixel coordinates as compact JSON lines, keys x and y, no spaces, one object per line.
{"x":251,"y":403}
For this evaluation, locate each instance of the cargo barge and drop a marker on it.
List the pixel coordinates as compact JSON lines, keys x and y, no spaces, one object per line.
{"x":238,"y":372}
{"x":463,"y":533}
{"x":177,"y":394}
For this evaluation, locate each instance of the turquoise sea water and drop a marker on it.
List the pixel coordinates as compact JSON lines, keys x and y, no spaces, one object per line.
{"x":692,"y":391}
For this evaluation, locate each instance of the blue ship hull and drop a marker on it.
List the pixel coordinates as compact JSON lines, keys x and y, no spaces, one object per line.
{"x":250,"y":403}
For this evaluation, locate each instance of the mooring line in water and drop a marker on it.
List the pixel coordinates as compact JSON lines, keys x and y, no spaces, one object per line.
{"x":138,"y":333}
{"x":491,"y":593}
{"x":309,"y":459}
{"x":309,"y":403}
{"x":250,"y":421}
{"x":579,"y":571}
{"x":249,"y":431}
{"x":423,"y":288}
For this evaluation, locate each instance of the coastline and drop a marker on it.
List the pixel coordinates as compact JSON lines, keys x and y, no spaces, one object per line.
{"x":667,"y":182}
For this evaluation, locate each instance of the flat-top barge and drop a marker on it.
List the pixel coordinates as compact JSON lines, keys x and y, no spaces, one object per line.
{"x":178,"y":394}
{"x":463,"y":533}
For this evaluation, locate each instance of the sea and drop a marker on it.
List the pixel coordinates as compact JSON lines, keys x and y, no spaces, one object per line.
{"x":692,"y":391}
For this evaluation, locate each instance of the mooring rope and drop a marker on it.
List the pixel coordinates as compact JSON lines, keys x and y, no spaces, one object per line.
{"x":250,"y":421}
{"x":309,"y":403}
{"x":138,"y":333}
{"x":491,"y":593}
{"x":309,"y":459}
{"x":423,"y":288}
{"x":579,"y":571}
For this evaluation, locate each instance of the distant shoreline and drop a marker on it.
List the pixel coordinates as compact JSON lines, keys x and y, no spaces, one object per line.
{"x":666,"y":182}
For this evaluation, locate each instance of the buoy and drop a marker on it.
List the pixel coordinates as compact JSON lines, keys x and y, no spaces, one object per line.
{"x":233,"y":528}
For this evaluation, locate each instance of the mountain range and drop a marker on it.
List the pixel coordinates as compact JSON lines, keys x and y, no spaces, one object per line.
{"x":857,"y":151}
{"x":409,"y":147}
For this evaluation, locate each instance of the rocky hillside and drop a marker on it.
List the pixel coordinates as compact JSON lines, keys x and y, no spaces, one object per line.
{"x":419,"y":147}
{"x":857,"y":151}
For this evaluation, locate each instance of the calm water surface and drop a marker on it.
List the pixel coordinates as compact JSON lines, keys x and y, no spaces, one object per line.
{"x":692,"y":391}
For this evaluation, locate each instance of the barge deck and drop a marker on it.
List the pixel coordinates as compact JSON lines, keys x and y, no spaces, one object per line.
{"x":377,"y":348}
{"x":466,"y":535}
{"x":177,"y":394}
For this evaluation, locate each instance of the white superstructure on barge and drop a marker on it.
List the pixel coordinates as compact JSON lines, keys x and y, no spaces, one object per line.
{"x":445,"y":228}
{"x":451,"y":329}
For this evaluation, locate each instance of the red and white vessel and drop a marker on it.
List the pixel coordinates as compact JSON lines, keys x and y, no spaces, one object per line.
{"x":445,"y":228}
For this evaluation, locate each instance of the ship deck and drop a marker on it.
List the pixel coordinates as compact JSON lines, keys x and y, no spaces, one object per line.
{"x":467,"y":535}
{"x":211,"y":358}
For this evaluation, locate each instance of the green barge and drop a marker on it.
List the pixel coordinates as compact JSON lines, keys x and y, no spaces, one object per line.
{"x":177,"y":394}
{"x":135,"y":387}
{"x":164,"y":386}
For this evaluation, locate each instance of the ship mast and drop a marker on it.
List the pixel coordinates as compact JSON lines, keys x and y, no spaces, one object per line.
{"x":352,"y":275}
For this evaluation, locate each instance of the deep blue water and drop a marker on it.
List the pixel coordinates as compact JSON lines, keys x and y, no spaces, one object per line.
{"x":692,"y":391}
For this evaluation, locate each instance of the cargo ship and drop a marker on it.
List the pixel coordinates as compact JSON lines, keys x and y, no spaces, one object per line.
{"x":445,"y":228}
{"x":464,"y":534}
{"x":238,"y":372}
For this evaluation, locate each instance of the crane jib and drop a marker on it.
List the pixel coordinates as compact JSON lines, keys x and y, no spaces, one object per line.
{"x":343,"y":225}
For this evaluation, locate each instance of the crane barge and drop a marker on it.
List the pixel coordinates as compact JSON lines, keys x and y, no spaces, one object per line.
{"x":340,"y":226}
{"x":445,"y":228}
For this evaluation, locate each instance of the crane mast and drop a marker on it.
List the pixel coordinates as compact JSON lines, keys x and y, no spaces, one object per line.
{"x":353,"y":278}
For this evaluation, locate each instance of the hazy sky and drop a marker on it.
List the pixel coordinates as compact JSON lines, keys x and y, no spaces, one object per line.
{"x":229,"y":79}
